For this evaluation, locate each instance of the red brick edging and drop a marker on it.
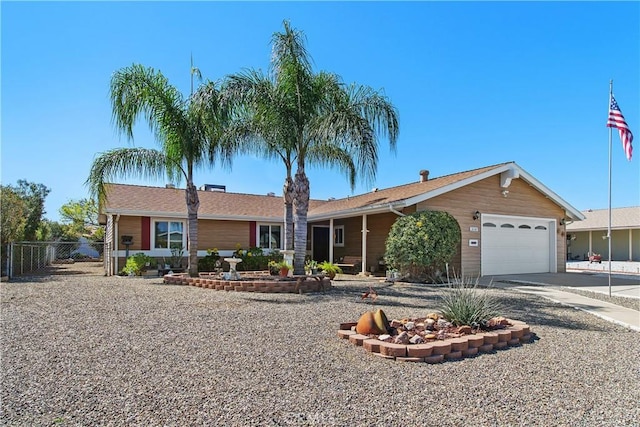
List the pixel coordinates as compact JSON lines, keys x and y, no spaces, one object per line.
{"x":263,"y":285}
{"x":440,"y":350}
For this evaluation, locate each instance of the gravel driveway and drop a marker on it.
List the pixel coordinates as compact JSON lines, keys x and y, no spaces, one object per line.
{"x":86,"y":350}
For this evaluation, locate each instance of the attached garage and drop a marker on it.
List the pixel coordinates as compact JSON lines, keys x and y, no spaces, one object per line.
{"x":515,"y":245}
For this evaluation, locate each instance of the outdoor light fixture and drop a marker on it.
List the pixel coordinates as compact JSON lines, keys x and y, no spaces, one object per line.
{"x":562,"y":221}
{"x":476,"y":215}
{"x":505,"y":193}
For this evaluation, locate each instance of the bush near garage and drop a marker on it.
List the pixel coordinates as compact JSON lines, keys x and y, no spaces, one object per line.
{"x":421,"y":244}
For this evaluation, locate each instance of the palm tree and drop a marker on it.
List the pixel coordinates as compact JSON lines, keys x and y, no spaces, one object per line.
{"x":306,"y":118}
{"x":189,"y":132}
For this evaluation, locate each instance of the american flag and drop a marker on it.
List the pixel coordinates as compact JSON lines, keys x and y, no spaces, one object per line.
{"x":616,"y":120}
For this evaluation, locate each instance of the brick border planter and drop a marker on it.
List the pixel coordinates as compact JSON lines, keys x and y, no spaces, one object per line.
{"x":440,"y":350}
{"x":299,"y":284}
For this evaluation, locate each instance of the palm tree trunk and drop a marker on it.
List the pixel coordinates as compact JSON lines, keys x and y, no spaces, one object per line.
{"x":193,"y":203}
{"x":301,"y":202}
{"x":289,"y":194}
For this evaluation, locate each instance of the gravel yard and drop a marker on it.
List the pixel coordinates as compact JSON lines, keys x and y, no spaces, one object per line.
{"x":87,"y":350}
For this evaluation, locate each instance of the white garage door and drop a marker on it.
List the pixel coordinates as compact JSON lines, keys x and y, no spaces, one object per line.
{"x":512,"y":245}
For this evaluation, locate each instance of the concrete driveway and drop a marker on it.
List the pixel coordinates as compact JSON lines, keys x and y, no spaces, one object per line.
{"x":627,"y":285}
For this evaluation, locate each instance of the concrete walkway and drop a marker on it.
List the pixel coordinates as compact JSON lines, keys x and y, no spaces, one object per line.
{"x":547,"y":286}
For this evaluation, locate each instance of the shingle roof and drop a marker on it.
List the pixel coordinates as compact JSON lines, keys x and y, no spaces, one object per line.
{"x":598,"y":219}
{"x":159,"y":201}
{"x":397,"y":194}
{"x":132,"y":199}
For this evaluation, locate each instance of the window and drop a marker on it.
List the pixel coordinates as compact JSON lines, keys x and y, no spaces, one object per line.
{"x":270,"y":236}
{"x":168,"y":234}
{"x":525,"y":226}
{"x":507,"y":226}
{"x":541,"y":227}
{"x":338,"y":235}
{"x":488,"y":224}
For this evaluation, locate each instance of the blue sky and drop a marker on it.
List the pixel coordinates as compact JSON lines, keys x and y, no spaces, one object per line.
{"x":475,"y":84}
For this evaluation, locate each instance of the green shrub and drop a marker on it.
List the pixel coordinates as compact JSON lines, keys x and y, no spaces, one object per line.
{"x":136,"y":264}
{"x":465,"y":304}
{"x":421,"y":244}
{"x":254,"y":259}
{"x":210,"y":262}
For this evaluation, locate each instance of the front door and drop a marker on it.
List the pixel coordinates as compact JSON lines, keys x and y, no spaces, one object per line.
{"x":320,"y":243}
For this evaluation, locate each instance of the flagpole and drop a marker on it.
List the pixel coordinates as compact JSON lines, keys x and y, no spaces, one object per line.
{"x":609,"y":224}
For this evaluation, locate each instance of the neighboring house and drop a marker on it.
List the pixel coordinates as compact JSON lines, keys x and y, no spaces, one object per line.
{"x":590,"y":235}
{"x":510,"y":222}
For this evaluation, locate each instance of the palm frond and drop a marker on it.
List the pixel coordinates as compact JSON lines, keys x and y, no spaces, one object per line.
{"x":125,"y":163}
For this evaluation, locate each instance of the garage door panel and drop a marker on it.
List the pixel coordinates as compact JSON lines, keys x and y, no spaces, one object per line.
{"x":518,"y":248}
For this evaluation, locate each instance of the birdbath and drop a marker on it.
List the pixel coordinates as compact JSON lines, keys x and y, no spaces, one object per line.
{"x":233,"y":274}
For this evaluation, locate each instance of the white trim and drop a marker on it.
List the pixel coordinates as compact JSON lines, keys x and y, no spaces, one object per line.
{"x":270,"y":224}
{"x":341,"y":244}
{"x":152,"y":242}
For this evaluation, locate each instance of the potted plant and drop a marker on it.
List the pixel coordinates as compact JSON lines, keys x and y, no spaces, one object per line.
{"x":281,"y":266}
{"x":311,"y":267}
{"x":330,"y":269}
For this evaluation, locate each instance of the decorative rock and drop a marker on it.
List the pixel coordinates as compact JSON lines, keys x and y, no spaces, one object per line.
{"x":498,"y":321}
{"x":416,"y":339}
{"x":395,"y":324}
{"x":429,"y":324}
{"x":385,"y":337}
{"x":409,"y":326}
{"x":430,"y":337}
{"x":433,"y":316}
{"x":367,"y":325}
{"x":402,"y":338}
{"x":464,"y":330}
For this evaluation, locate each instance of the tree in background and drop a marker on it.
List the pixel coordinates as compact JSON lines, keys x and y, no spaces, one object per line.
{"x":81,"y":219}
{"x":12,"y":210}
{"x":22,"y":210}
{"x":188,"y":131}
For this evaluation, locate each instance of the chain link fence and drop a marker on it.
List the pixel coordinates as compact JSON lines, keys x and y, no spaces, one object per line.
{"x":30,"y":257}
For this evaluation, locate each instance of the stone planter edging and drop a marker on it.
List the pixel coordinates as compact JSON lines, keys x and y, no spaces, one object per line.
{"x":300,"y":285}
{"x":440,"y":350}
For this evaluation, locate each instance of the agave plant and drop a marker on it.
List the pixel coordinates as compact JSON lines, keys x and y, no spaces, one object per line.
{"x":464,"y":304}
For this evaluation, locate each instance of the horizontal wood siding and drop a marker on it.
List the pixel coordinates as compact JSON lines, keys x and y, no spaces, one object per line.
{"x":486,"y":196}
{"x":352,"y":237}
{"x":223,"y":235}
{"x":130,"y":226}
{"x":379,"y":227}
